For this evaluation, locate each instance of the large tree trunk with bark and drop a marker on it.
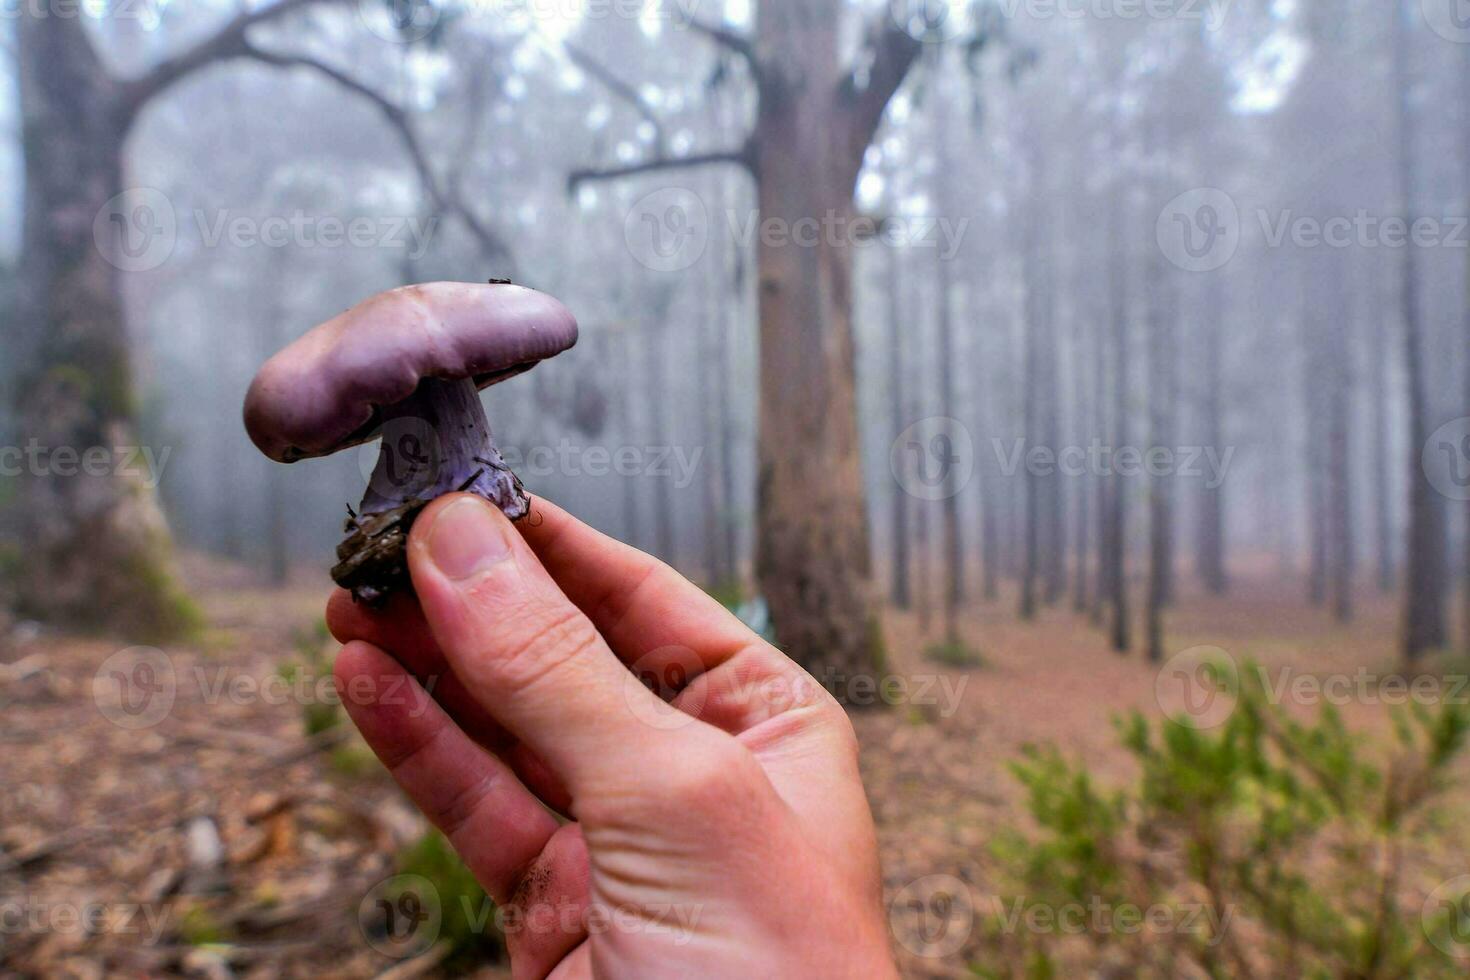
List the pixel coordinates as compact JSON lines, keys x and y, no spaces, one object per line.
{"x":813,"y":560}
{"x":99,"y":552}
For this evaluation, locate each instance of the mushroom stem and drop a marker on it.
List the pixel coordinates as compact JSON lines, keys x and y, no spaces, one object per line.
{"x":438,"y":441}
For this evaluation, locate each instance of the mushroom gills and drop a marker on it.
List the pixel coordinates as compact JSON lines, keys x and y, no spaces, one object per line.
{"x":437,"y":441}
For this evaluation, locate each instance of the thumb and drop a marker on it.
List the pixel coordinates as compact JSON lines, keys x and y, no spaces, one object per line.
{"x":523,"y":650}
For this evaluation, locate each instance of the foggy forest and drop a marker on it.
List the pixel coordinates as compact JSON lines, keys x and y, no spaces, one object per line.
{"x":1077,"y":390}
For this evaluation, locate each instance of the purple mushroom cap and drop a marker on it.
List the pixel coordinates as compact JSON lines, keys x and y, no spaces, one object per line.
{"x":327,"y":391}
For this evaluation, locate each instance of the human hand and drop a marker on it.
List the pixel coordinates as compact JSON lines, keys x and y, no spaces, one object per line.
{"x":723,"y":834}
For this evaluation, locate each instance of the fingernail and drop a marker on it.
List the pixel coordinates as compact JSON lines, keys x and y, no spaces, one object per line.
{"x":467,"y":539}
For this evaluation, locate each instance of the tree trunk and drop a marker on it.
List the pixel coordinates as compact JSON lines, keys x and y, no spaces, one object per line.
{"x":632,"y":523}
{"x":1423,"y":618}
{"x":1081,"y":413}
{"x":1465,"y":586}
{"x":1212,"y":507}
{"x":1340,"y":499}
{"x":655,"y":339}
{"x":99,"y":553}
{"x":1121,"y":631}
{"x":813,"y":558}
{"x":1159,"y":404}
{"x":1315,"y":405}
{"x":901,"y":593}
{"x":1030,"y":396}
{"x":951,"y":534}
{"x":1378,"y":355}
{"x":707,"y":323}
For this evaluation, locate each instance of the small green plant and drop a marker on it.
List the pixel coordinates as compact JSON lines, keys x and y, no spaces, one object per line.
{"x":1269,"y":846}
{"x":731,"y":595}
{"x":469,"y":924}
{"x":954,"y":653}
{"x":314,"y":661}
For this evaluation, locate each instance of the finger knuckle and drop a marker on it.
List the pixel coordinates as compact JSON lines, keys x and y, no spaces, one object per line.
{"x":548,"y":642}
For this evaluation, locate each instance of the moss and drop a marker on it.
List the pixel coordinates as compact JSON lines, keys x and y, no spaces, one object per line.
{"x":155,"y":608}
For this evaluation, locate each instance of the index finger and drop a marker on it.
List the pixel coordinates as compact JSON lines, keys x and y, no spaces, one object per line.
{"x":645,"y":610}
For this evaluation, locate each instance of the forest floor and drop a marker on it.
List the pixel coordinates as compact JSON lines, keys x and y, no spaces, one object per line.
{"x":221,"y":840}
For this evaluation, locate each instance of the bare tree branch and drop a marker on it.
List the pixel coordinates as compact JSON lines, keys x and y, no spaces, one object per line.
{"x":894,"y":52}
{"x":743,"y":158}
{"x":617,"y":86}
{"x":229,"y":41}
{"x":726,"y":38}
{"x":441,"y":198}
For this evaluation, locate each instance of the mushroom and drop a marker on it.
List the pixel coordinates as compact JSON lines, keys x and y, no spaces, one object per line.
{"x":406,"y":365}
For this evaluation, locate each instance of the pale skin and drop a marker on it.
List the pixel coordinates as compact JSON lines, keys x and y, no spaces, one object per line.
{"x":718,"y":831}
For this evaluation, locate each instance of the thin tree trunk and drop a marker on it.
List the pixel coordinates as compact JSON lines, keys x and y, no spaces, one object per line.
{"x":1378,"y":355}
{"x":1121,"y":631}
{"x":655,"y":358}
{"x":1423,"y":621}
{"x":901,"y":593}
{"x":1340,"y":473}
{"x":1082,"y":411}
{"x":951,"y":533}
{"x":1465,"y":586}
{"x":707,"y":323}
{"x":1212,"y":507}
{"x":632,"y":525}
{"x":1030,"y":395}
{"x":1159,"y":352}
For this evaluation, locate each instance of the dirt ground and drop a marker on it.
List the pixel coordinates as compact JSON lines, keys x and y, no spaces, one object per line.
{"x":222,"y":841}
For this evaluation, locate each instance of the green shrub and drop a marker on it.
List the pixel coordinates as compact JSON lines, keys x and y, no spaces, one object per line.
{"x":469,"y":924}
{"x":313,"y":661}
{"x":1267,"y":847}
{"x":954,"y":653}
